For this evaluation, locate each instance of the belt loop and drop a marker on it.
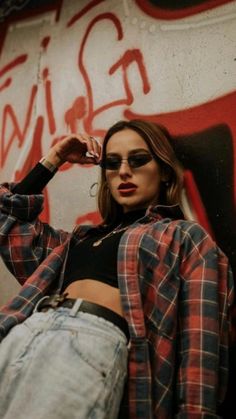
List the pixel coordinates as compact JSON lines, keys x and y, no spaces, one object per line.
{"x":75,"y":308}
{"x":46,"y":297}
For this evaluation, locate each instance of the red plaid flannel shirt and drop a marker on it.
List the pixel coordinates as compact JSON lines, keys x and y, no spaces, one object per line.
{"x":176,"y":289}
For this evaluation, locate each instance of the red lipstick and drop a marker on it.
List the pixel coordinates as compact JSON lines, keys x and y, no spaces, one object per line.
{"x":127,"y":188}
{"x":127,"y":185}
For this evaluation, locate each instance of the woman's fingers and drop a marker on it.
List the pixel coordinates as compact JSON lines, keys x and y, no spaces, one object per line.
{"x":94,"y":148}
{"x":80,"y":148}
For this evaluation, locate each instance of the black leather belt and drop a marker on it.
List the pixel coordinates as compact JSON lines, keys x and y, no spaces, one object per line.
{"x":86,"y":307}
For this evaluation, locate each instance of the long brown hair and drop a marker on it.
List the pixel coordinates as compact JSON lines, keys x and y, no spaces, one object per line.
{"x":157,"y":138}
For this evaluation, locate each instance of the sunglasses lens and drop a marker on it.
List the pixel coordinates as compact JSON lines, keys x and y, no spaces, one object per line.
{"x":139,"y":160}
{"x":111,"y":163}
{"x":114,"y":163}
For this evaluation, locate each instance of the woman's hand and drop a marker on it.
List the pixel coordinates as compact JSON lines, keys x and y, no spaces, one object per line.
{"x":75,"y":148}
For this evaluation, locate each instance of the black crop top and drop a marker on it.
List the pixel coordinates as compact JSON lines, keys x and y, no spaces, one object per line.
{"x":84,"y":260}
{"x":99,"y":262}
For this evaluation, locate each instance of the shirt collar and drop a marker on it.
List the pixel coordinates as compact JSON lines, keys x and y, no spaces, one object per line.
{"x":165,"y":211}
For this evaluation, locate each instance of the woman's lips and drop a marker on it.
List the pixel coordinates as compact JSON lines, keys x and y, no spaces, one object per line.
{"x":127,"y":188}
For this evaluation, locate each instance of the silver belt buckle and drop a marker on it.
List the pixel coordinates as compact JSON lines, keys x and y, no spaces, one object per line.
{"x":56,"y":299}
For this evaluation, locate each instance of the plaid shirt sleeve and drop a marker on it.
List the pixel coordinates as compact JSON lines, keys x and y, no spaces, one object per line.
{"x":24,"y":240}
{"x":178,"y":315}
{"x":205,"y":297}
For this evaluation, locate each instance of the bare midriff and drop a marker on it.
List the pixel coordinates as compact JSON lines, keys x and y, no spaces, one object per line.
{"x":96,"y":292}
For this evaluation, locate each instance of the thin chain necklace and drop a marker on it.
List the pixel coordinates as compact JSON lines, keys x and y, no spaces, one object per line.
{"x":116,"y":230}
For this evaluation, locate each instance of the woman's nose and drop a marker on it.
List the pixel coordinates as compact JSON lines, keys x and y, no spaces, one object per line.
{"x":124,"y":167}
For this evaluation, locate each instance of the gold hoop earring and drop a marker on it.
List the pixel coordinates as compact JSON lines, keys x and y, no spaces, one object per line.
{"x":91,"y":193}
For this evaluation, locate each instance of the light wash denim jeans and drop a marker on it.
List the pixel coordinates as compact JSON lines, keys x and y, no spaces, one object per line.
{"x":62,"y":365}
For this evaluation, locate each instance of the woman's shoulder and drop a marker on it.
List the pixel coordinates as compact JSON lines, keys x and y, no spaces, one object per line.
{"x":172,"y":218}
{"x":180,"y":229}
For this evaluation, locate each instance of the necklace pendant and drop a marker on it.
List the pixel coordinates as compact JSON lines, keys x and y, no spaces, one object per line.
{"x":97,"y":243}
{"x":117,"y":230}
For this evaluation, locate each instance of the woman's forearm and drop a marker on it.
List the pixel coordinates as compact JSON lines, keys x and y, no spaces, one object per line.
{"x":35,"y":181}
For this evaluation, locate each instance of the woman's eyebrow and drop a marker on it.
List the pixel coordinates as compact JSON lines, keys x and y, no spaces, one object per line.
{"x":134,"y":151}
{"x":139,"y":150}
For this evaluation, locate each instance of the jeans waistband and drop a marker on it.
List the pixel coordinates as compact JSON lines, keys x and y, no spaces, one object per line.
{"x":56,"y":301}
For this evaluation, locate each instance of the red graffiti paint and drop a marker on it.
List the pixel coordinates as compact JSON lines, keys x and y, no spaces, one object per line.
{"x":82,"y":108}
{"x":153,"y":9}
{"x":197,"y":118}
{"x":10,"y":66}
{"x":45,"y":42}
{"x":48,"y":100}
{"x":14,"y":63}
{"x":85,"y":10}
{"x":75,"y":113}
{"x":6,"y":84}
{"x":128,"y":58}
{"x":9,"y":120}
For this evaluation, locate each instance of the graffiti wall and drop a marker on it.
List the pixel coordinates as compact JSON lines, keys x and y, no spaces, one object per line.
{"x":73,"y":66}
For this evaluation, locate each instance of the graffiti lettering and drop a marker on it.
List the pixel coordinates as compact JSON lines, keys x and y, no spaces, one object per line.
{"x":82,"y":108}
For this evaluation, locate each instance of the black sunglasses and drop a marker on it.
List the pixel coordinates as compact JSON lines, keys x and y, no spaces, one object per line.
{"x":134,"y":161}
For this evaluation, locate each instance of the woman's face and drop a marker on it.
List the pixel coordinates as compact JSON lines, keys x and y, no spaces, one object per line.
{"x":137,"y":187}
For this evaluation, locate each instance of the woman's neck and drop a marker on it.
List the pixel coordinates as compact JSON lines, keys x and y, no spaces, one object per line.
{"x":131,"y":216}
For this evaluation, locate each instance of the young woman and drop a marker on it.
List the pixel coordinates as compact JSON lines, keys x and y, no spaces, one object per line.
{"x":135,"y":307}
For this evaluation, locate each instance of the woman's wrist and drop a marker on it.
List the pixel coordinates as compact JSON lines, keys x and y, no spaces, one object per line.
{"x":52,"y":161}
{"x":50,"y":166}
